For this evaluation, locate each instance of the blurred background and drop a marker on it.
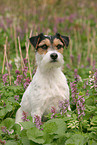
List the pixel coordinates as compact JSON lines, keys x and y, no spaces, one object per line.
{"x":77,"y":19}
{"x":48,"y":16}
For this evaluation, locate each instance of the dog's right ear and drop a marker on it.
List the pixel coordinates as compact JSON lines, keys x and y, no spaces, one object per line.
{"x":64,"y":39}
{"x":35,"y":40}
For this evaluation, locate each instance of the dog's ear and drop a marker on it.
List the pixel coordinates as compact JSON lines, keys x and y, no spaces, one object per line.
{"x":35,"y":40}
{"x":64,"y":39}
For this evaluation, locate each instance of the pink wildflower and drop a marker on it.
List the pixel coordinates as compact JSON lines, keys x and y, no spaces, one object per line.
{"x":73,"y":91}
{"x":25,"y":69}
{"x":17,"y":72}
{"x":25,"y":61}
{"x":27,"y":82}
{"x":37,"y":121}
{"x":24,"y":118}
{"x":18,"y":80}
{"x":80,"y":106}
{"x":16,"y":97}
{"x":4,"y":77}
{"x":53,"y":111}
{"x":63,"y":105}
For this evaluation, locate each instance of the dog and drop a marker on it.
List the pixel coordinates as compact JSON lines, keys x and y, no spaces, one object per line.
{"x":49,"y":84}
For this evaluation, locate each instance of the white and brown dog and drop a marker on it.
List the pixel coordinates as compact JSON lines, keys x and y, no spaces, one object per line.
{"x":49,"y":84}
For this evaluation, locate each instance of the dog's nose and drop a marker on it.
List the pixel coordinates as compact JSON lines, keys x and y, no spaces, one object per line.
{"x":54,"y":56}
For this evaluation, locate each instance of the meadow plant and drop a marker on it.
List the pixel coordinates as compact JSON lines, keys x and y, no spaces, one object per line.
{"x":76,"y":76}
{"x":17,"y":62}
{"x":16,"y":97}
{"x":73,"y":86}
{"x":80,"y":106}
{"x":25,"y":61}
{"x":53,"y":111}
{"x":4,"y":78}
{"x":24,"y":118}
{"x":95,"y":80}
{"x":18,"y":80}
{"x":5,"y":130}
{"x":25,"y":69}
{"x":37,"y":121}
{"x":63,"y":105}
{"x":2,"y":142}
{"x":17,"y":72}
{"x":26,"y":82}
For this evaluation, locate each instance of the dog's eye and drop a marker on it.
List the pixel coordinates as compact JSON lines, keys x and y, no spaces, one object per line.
{"x":44,"y":47}
{"x":59,"y":46}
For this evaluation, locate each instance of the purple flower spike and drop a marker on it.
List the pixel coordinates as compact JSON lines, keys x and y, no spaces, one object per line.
{"x":53,"y":111}
{"x":25,"y":69}
{"x":76,"y":76}
{"x":73,"y":91}
{"x":63,"y":105}
{"x":80,"y":106}
{"x":37,"y":121}
{"x":16,"y":97}
{"x":25,"y":61}
{"x":4,"y":77}
{"x":24,"y":118}
{"x":18,"y":80}
{"x":27,"y":82}
{"x":17,"y":72}
{"x":95,"y":80}
{"x":5,"y":130}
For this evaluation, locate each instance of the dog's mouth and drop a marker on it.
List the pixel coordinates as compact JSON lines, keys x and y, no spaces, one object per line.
{"x":53,"y":61}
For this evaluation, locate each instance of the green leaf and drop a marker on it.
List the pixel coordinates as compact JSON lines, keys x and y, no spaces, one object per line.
{"x":35,"y":135}
{"x":55,"y":126}
{"x":17,"y":128}
{"x":90,"y":108}
{"x":54,"y":129}
{"x":94,"y":121}
{"x":50,"y":127}
{"x":9,"y":108}
{"x":27,"y":124}
{"x":91,"y":142}
{"x":76,"y":139}
{"x":2,"y":113}
{"x":11,"y":143}
{"x":25,"y":141}
{"x":93,"y":135}
{"x":9,"y":122}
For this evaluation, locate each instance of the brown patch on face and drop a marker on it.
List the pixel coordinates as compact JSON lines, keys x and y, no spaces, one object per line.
{"x":60,"y":50}
{"x":57,"y":42}
{"x":45,"y":41}
{"x":41,"y":51}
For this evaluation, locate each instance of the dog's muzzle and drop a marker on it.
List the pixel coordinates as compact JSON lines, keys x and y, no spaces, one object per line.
{"x":54,"y":57}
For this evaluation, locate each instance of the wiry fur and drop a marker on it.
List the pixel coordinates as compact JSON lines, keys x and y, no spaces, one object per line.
{"x":48,"y":87}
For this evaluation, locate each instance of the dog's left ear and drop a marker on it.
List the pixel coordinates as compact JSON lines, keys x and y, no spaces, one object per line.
{"x":34,"y":40}
{"x":64,"y":39}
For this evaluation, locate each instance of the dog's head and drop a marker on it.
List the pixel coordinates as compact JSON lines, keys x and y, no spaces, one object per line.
{"x":49,"y":49}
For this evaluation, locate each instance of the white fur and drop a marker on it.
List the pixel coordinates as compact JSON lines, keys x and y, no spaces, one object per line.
{"x":47,"y":88}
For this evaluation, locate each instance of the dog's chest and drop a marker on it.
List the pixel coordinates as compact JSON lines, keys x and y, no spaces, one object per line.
{"x":45,"y":91}
{"x":51,"y":84}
